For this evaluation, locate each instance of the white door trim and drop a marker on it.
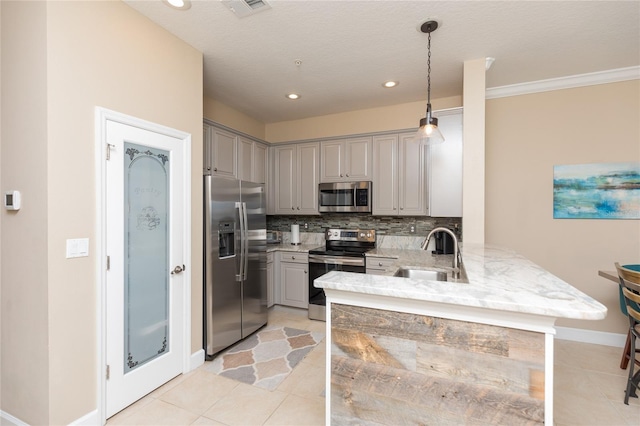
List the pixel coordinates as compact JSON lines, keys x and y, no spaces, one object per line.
{"x":102,"y":115}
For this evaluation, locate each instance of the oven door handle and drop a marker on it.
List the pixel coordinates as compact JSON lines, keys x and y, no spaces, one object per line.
{"x":336,"y":260}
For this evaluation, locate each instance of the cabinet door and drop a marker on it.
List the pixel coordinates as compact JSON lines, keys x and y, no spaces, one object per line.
{"x":224,"y":153}
{"x":270,"y":280}
{"x":285,"y":179}
{"x":260,"y":163}
{"x":295,"y":286}
{"x":357,"y":159}
{"x":385,"y":172}
{"x":331,"y":159}
{"x":412,"y":188}
{"x":207,"y":149}
{"x":445,"y":168}
{"x":245,"y":159}
{"x":308,"y":178}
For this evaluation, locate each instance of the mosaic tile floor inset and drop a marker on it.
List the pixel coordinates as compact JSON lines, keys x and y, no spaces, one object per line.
{"x":266,"y":358}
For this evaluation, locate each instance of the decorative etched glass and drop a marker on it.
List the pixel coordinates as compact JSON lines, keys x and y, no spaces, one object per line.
{"x":146,"y":254}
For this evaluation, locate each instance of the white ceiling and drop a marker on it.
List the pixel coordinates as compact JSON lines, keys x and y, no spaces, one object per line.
{"x":349,"y":48}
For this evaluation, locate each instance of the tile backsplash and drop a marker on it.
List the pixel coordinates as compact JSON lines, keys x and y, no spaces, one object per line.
{"x":384,"y":225}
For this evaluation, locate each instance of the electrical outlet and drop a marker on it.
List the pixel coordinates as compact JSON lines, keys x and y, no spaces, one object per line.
{"x":412,"y":229}
{"x":306,"y":225}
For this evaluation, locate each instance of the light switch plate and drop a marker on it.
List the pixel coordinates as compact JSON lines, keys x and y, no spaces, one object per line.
{"x":77,"y":247}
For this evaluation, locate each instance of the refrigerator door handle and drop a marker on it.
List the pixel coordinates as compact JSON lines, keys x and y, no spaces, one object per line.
{"x":245,"y":243}
{"x":240,"y":275}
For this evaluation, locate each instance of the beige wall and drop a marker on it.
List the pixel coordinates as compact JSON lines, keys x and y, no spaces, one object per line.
{"x":394,"y":117}
{"x":97,"y":54}
{"x":525,"y":137}
{"x":225,"y":115}
{"x":24,"y":373}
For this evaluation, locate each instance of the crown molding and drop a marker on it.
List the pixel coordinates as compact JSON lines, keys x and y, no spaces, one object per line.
{"x":580,"y":80}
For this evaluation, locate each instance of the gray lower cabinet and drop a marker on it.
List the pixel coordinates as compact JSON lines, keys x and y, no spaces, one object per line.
{"x":378,"y":265}
{"x":294,"y":279}
{"x":270,"y":280}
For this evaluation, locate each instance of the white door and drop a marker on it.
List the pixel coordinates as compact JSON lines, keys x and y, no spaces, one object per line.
{"x":144,"y":289}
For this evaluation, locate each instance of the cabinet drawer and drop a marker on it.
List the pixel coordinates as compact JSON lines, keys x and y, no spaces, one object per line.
{"x":379,"y":263}
{"x":294,"y":257}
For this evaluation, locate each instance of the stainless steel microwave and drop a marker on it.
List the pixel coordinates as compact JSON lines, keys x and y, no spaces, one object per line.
{"x":344,"y":197}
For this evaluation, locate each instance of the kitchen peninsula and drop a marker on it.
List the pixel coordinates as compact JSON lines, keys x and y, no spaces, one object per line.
{"x":407,"y":351}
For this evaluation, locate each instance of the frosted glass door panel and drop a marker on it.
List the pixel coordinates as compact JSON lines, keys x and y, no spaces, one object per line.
{"x":146,"y":255}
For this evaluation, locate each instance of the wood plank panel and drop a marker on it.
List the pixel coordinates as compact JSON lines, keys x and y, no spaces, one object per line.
{"x":399,"y":368}
{"x":499,"y":372}
{"x":472,"y":337}
{"x":375,"y":393}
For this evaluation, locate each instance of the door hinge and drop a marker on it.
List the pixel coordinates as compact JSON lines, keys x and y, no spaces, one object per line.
{"x":109,"y":146}
{"x":108,"y":371}
{"x":108,"y":262}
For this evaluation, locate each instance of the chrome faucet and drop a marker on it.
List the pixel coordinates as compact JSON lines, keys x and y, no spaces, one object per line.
{"x":455,"y":243}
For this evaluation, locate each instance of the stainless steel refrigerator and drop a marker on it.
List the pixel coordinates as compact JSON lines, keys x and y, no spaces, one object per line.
{"x":235,"y":262}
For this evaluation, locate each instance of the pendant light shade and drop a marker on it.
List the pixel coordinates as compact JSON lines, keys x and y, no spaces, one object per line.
{"x":428,"y":133}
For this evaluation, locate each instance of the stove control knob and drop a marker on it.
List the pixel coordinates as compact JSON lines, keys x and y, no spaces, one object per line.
{"x":335,"y":233}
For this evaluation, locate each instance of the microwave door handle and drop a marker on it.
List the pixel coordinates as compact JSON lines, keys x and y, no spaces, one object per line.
{"x":240,"y":269}
{"x":355,"y":196}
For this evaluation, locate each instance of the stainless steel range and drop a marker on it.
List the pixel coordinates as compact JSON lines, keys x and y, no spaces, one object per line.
{"x":344,"y":250}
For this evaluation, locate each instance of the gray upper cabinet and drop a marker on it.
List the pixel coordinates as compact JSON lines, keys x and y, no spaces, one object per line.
{"x":296,"y":178}
{"x":346,"y":160}
{"x":220,"y":151}
{"x":399,"y":176}
{"x":233,"y":155}
{"x":252,"y":161}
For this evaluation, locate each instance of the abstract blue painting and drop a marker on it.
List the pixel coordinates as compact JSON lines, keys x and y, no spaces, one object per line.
{"x":597,"y":191}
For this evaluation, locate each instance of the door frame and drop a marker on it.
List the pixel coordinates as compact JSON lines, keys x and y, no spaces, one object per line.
{"x":102,"y":115}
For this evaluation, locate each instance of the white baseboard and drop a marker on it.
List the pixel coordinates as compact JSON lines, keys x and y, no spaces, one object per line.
{"x":89,"y":419}
{"x":7,"y":419}
{"x":197,"y":359}
{"x":590,"y":336}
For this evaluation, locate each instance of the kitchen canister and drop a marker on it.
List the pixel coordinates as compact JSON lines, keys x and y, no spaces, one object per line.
{"x":295,"y":235}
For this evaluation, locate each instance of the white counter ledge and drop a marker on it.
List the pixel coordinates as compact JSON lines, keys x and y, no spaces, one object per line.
{"x":499,"y":279}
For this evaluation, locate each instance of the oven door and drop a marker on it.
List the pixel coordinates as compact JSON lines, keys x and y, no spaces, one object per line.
{"x":320,"y":265}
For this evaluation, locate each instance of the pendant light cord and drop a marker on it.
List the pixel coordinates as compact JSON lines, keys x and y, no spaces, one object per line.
{"x":429,"y":70}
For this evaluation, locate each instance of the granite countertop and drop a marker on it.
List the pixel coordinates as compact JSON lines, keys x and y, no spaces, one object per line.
{"x":301,"y":248}
{"x":499,"y":279}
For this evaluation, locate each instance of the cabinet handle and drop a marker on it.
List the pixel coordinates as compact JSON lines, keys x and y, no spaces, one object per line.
{"x":347,"y":174}
{"x":215,"y":170}
{"x":293,"y":258}
{"x":293,"y":208}
{"x":298,"y":208}
{"x":401,"y":208}
{"x":305,"y":272}
{"x":394,"y":208}
{"x":379,"y":263}
{"x":340,"y":174}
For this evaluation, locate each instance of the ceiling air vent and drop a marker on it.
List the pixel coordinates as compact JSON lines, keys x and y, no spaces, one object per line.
{"x":244,"y":8}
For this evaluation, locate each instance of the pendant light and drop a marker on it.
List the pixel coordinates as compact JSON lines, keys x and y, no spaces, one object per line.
{"x":428,"y":133}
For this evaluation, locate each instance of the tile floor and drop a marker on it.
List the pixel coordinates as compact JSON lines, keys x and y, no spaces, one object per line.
{"x":589,"y":390}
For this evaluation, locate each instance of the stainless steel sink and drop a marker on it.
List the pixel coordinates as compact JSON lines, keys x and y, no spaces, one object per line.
{"x":451,"y":275}
{"x":421,"y":274}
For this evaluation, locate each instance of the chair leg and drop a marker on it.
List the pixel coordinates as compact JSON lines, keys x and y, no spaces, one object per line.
{"x":626,"y":354}
{"x":632,"y":383}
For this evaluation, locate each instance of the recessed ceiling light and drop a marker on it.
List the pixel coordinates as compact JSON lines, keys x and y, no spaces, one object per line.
{"x":293,"y":96}
{"x":389,"y":84}
{"x":178,"y":4}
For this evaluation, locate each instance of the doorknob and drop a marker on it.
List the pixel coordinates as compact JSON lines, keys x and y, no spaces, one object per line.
{"x":178,"y":269}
